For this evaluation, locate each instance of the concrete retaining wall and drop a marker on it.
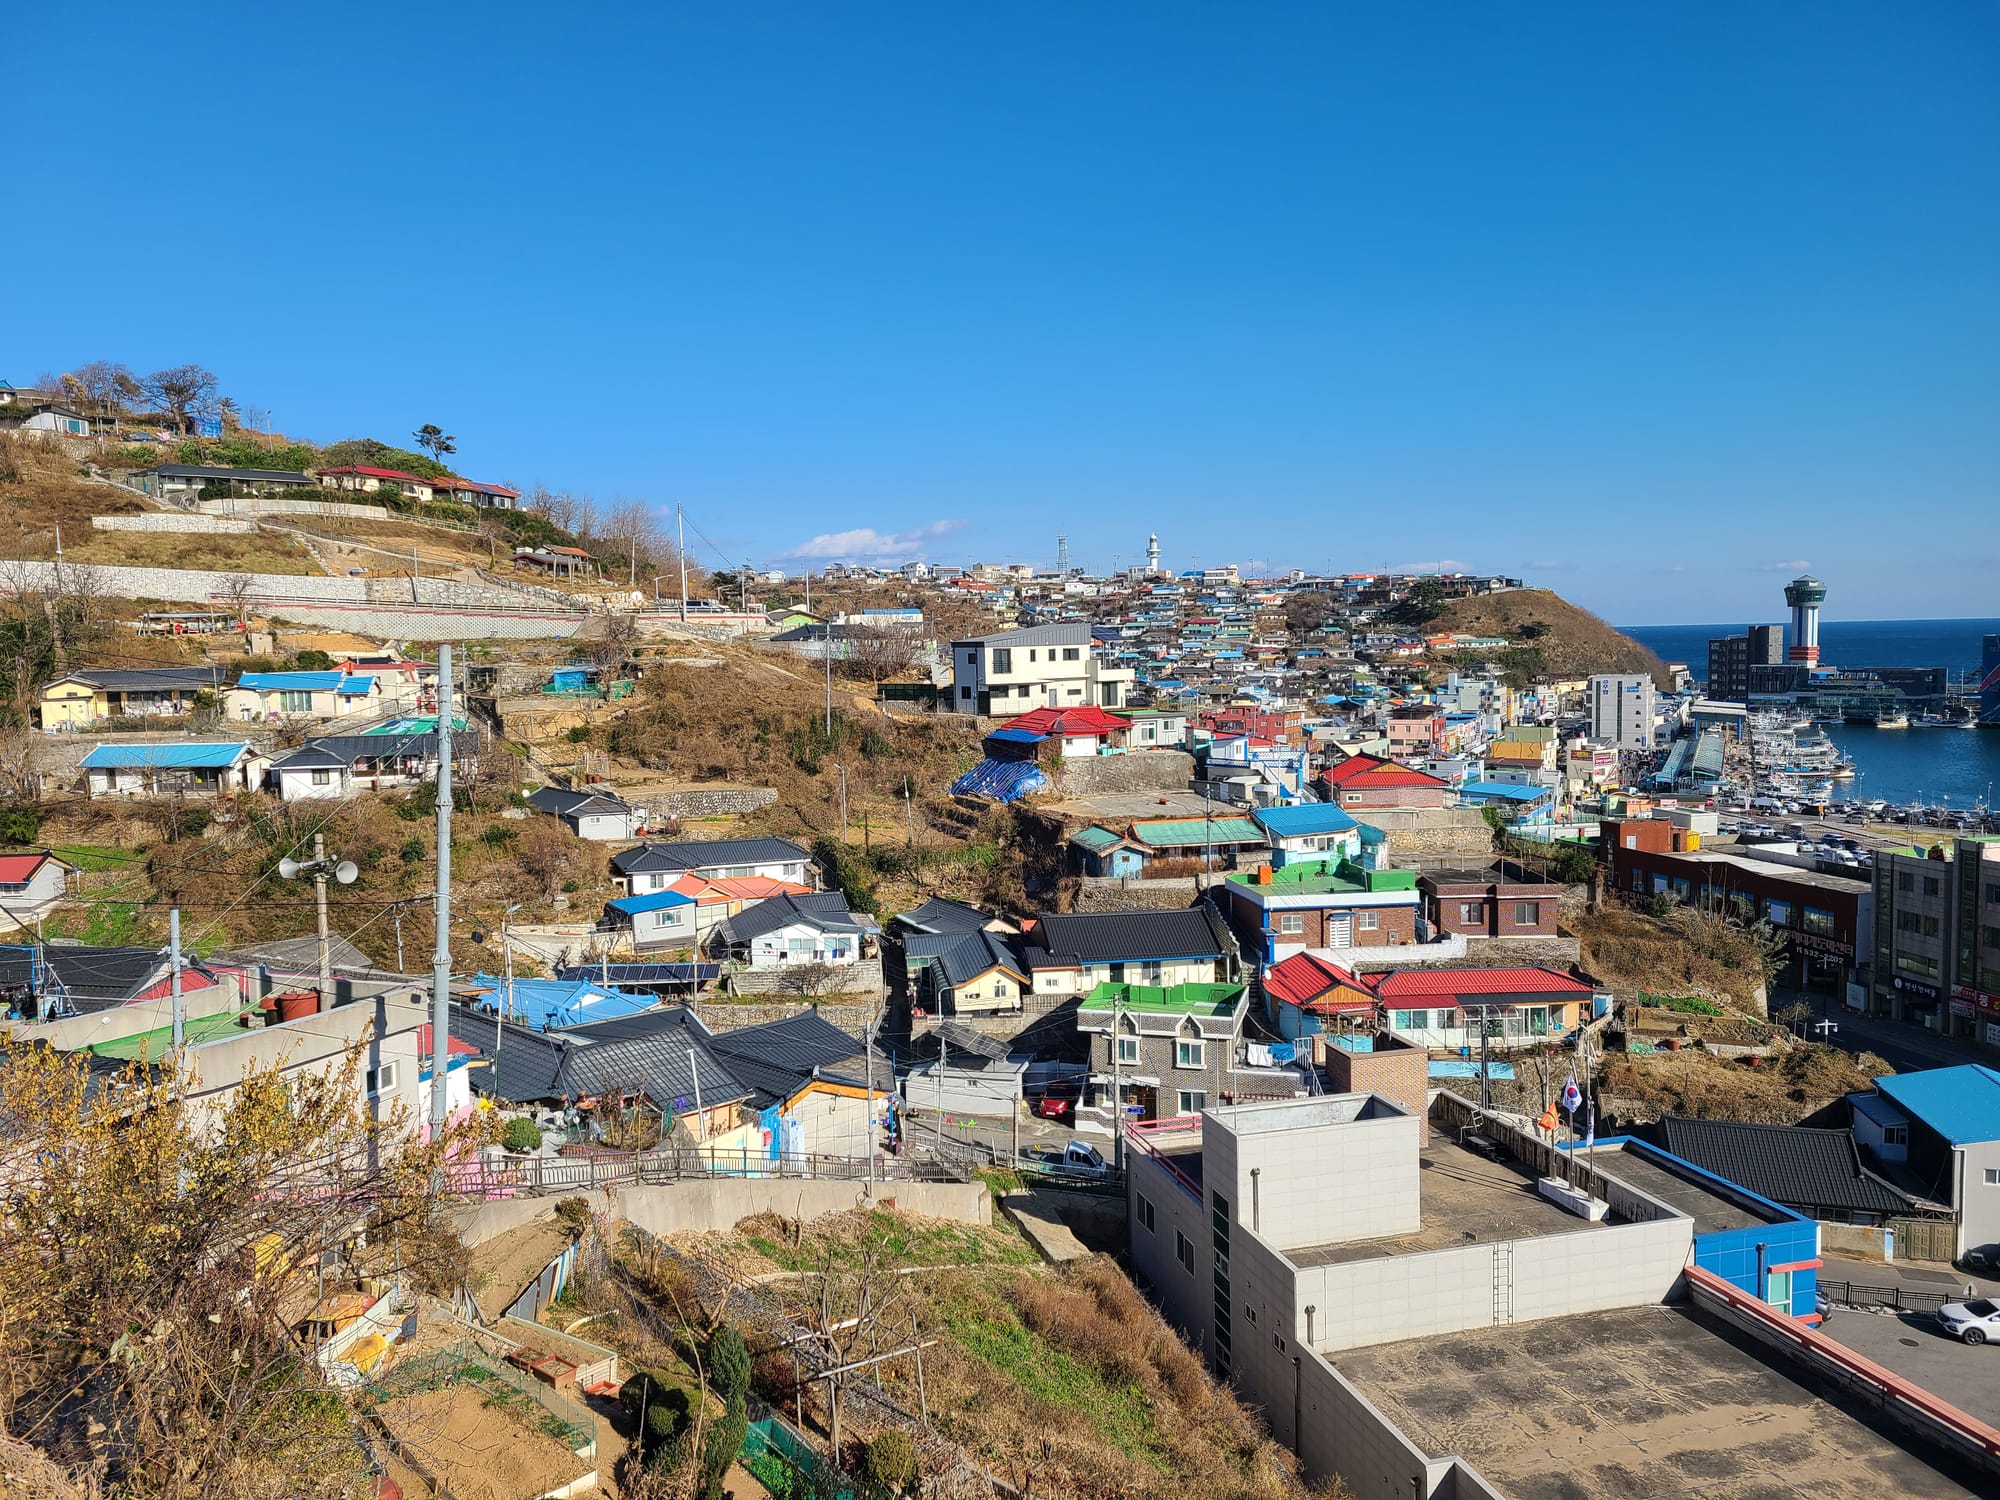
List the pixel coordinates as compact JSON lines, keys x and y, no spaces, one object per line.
{"x":172,"y":521}
{"x":333,"y":510}
{"x":1143,"y":771}
{"x":718,"y":1203}
{"x":1109,"y":893}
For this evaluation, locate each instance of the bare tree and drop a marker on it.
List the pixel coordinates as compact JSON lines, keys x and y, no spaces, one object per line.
{"x":106,"y":386}
{"x":880,"y":652}
{"x":550,"y":853}
{"x":234,"y":589}
{"x":20,"y":764}
{"x":808,"y":981}
{"x":182,"y":392}
{"x":613,"y":644}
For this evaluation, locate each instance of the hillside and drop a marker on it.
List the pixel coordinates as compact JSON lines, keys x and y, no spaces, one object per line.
{"x":1570,"y":642}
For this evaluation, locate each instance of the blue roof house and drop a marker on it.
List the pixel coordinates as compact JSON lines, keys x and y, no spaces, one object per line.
{"x":658,"y":920}
{"x":1948,"y":1148}
{"x":1311,"y":830}
{"x":551,"y":1004}
{"x":180,"y":767}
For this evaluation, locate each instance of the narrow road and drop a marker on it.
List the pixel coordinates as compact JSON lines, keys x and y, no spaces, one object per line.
{"x":1907,"y":1048}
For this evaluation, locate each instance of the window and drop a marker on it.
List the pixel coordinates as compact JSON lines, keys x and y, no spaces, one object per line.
{"x":1895,"y":1135}
{"x":1818,"y":921}
{"x":1003,"y":659}
{"x":1916,"y":963}
{"x":1778,"y":1289}
{"x":322,"y":778}
{"x":1409,"y":1020}
{"x":1989,"y":937}
{"x":1909,"y":921}
{"x":1291,"y":921}
{"x":1906,"y":881}
{"x":1184,"y":1252}
{"x":381,"y":1080}
{"x":965,"y":692}
{"x":1993,"y":1176}
{"x":1470,"y":911}
{"x":1146,"y":1212}
{"x":1370,"y":920}
{"x":1931,"y":885}
{"x":295,"y":703}
{"x":1189,"y":1054}
{"x":1527,"y":913}
{"x":972,"y":658}
{"x":1128,"y":1050}
{"x":1190,"y":1101}
{"x":1149,"y":971}
{"x":1069,"y":653}
{"x":1250,"y":1313}
{"x":1031,"y":654}
{"x":1993,"y":895}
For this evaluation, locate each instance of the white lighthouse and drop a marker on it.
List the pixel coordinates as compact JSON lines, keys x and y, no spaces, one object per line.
{"x":1153,"y":554}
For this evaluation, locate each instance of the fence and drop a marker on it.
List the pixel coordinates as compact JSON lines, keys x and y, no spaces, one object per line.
{"x":1925,"y":1239}
{"x":571,"y":1174}
{"x":1901,"y":1298}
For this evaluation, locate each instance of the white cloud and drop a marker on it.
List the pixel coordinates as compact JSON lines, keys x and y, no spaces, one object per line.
{"x":1796,"y":565}
{"x":866,"y":544}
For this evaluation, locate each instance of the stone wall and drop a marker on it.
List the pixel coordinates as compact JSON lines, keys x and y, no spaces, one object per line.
{"x":173,"y":521}
{"x":333,"y":510}
{"x":1109,"y":893}
{"x":1144,"y":771}
{"x":720,"y":1016}
{"x":718,"y":802}
{"x":187,"y":585}
{"x":863,"y":978}
{"x":1430,"y":830}
{"x":1505,"y":953}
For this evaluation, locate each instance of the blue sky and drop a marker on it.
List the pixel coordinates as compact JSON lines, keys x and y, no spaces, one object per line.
{"x":1653,"y":306}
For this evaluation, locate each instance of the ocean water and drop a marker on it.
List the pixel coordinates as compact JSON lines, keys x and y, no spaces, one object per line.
{"x":1932,"y":766}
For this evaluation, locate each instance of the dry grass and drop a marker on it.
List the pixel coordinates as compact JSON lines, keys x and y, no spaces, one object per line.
{"x":262,"y":553}
{"x":1780,"y":1091}
{"x":1685,"y":953}
{"x":41,"y":488}
{"x":1574,"y":642}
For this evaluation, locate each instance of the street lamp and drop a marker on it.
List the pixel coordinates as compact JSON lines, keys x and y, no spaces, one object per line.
{"x":319,"y":867}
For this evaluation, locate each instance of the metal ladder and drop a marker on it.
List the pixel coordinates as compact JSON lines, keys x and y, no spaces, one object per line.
{"x":1503,"y":1282}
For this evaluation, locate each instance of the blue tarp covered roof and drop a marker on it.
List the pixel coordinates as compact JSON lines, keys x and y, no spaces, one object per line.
{"x":1017,"y":736}
{"x":305,"y":682}
{"x":1002,"y":780}
{"x":544,"y":1004}
{"x":1309,"y":818}
{"x":656,"y":901}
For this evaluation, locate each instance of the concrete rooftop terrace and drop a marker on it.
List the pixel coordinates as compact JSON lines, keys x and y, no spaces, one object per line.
{"x":1642,"y":1403}
{"x":1463,"y":1199}
{"x":1708,"y":1206}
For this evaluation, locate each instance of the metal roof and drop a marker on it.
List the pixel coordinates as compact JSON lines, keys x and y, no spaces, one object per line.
{"x":565,"y":803}
{"x":198,"y":471}
{"x":1962,"y":1104}
{"x":777,"y":1058}
{"x":826,"y":910}
{"x":1307,"y":818}
{"x":1069,"y":634}
{"x":178,"y":757}
{"x":1115,"y":936}
{"x":549,"y":1003}
{"x":632,"y":906}
{"x":144,"y":679}
{"x":668,"y":1061}
{"x":630,"y":974}
{"x":1194,"y":833}
{"x":334,"y":681}
{"x":977,"y":953}
{"x":940,"y":914}
{"x":1491,"y":985}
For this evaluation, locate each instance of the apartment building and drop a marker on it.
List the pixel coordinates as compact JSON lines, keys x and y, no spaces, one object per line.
{"x":1621,"y":710}
{"x":1936,"y":938}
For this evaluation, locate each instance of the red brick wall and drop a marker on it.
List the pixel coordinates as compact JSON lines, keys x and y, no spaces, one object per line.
{"x":1399,"y":1075}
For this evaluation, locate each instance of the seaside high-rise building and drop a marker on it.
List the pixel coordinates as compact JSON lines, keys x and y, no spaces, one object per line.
{"x":1805,"y":594}
{"x":1731,"y":657}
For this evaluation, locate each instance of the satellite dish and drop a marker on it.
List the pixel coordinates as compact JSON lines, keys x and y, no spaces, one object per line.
{"x":345,"y":871}
{"x":288,"y":868}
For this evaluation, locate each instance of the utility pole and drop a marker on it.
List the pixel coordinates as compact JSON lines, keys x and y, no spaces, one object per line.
{"x":319,"y":867}
{"x":632,"y":573}
{"x":826,"y":655}
{"x":909,"y":812}
{"x":441,"y":955}
{"x":174,"y":958}
{"x":681,"y":546}
{"x":843,"y":800}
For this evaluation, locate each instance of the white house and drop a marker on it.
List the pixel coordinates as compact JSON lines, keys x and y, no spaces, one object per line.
{"x":336,"y":765}
{"x":323,"y":696}
{"x":654,"y":867}
{"x":361,"y":479}
{"x":205,"y":769}
{"x":30,"y":886}
{"x":62,"y":420}
{"x":791,"y":930}
{"x":1041,"y":666}
{"x":590,"y":814}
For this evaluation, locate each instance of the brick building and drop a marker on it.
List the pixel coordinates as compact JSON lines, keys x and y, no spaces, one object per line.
{"x":1326,"y":904}
{"x":1495,"y":903}
{"x":1368,"y":781}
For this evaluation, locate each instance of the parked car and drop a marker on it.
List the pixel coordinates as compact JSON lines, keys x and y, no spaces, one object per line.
{"x":1974,"y":1322}
{"x":1077,"y":1157}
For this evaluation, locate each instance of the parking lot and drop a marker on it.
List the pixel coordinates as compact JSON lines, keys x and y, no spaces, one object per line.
{"x":1912,"y":1345}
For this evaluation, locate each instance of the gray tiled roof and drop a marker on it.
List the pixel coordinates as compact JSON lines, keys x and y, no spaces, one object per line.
{"x":706,"y":854}
{"x":941,"y":915}
{"x":604,"y":1058}
{"x":825,"y":910}
{"x":1809,"y":1170}
{"x":778,"y":1057}
{"x":149,"y":679}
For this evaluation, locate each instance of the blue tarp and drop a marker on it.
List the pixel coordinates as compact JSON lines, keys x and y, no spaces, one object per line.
{"x":545,"y":1003}
{"x":1449,"y":1069}
{"x":1002,"y":780}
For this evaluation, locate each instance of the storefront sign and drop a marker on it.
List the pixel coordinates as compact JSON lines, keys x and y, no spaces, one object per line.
{"x":1979,"y":998}
{"x":1818,"y":944}
{"x":1917,"y":987}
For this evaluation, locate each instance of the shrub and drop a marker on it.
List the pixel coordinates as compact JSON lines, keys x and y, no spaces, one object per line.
{"x":892,"y":1460}
{"x":20,"y":823}
{"x":498,"y":835}
{"x":312,"y":661}
{"x":573,"y":1216}
{"x":521,"y":1135}
{"x":579,"y":734}
{"x":413,"y":850}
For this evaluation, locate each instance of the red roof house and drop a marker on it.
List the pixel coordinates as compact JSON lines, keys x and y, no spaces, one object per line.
{"x":1317,"y":987}
{"x":29,"y":885}
{"x":1368,"y":781}
{"x":1083,"y":730}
